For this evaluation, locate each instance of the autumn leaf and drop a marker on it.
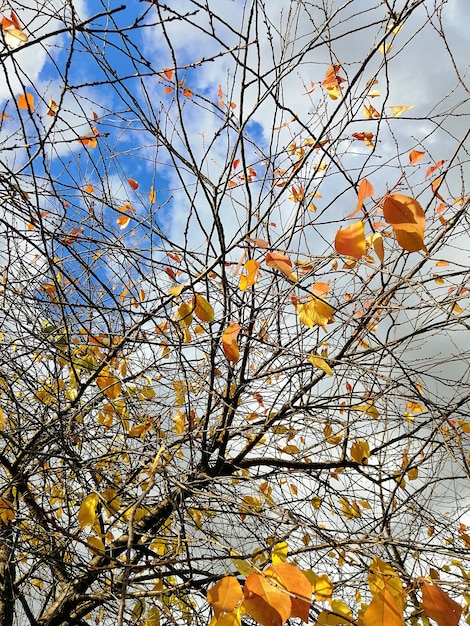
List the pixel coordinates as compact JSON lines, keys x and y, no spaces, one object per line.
{"x":296,"y":583}
{"x":225,"y":595}
{"x":383,"y":611}
{"x":314,"y":312}
{"x":248,"y":278}
{"x":397,"y":111}
{"x":26,"y":101}
{"x":87,"y":511}
{"x":52,"y":108}
{"x":110,"y":385}
{"x":279,"y":552}
{"x":12,"y":31}
{"x":282,"y":263}
{"x":439,"y":606}
{"x":365,"y":191}
{"x":407,"y":218}
{"x":133,"y":184}
{"x":7,"y":513}
{"x":229,"y":342}
{"x":317,"y":361}
{"x":323,"y":588}
{"x":202,"y":309}
{"x":416,"y":156}
{"x":377,"y":243}
{"x":360,"y":451}
{"x":265,"y":602}
{"x":434,"y":167}
{"x":351,"y":241}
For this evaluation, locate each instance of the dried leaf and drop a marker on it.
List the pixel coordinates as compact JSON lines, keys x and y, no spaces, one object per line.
{"x":416,"y":156}
{"x":248,"y":278}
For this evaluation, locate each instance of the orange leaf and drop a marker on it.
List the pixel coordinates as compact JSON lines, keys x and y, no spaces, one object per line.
{"x":378,"y":245}
{"x":264,"y":602}
{"x":26,"y":102}
{"x":236,"y":163}
{"x":438,"y":606}
{"x":133,"y":184}
{"x":280,"y":262}
{"x":365,"y":191}
{"x":383,"y":611}
{"x":350,"y":241}
{"x":293,"y":580}
{"x":416,"y":156}
{"x":248,"y":279}
{"x":12,"y":32}
{"x":434,"y":167}
{"x":123,"y":221}
{"x":406,"y":217}
{"x":229,"y":342}
{"x":225,"y":595}
{"x":168,"y":74}
{"x":110,"y":385}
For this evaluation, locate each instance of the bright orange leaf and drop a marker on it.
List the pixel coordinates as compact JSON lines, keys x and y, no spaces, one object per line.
{"x":434,"y":167}
{"x":224,"y":595}
{"x":229,"y":342}
{"x":365,"y":191}
{"x":351,"y":241}
{"x":438,"y":606}
{"x":416,"y":156}
{"x":293,"y":580}
{"x":265,"y":602}
{"x":407,"y":218}
{"x":133,"y":184}
{"x":26,"y":102}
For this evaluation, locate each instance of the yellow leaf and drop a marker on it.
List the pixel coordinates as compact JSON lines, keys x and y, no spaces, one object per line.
{"x":95,"y":545}
{"x":360,"y":451}
{"x":340,"y":615}
{"x":279,"y":552}
{"x":397,"y":111}
{"x":317,"y":361}
{"x":7,"y":513}
{"x":378,"y":245}
{"x":369,"y":409}
{"x":87,"y":511}
{"x":349,"y":509}
{"x":351,"y":241}
{"x":315,"y":312}
{"x":243,"y":567}
{"x":203,"y":309}
{"x":323,"y":588}
{"x":248,"y":279}
{"x":138,"y":610}
{"x":185,"y":315}
{"x":224,"y":595}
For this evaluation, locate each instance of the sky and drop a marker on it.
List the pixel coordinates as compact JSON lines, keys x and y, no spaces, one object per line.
{"x":100,"y":86}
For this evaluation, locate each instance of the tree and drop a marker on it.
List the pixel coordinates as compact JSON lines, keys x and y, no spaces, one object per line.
{"x":234,"y":317}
